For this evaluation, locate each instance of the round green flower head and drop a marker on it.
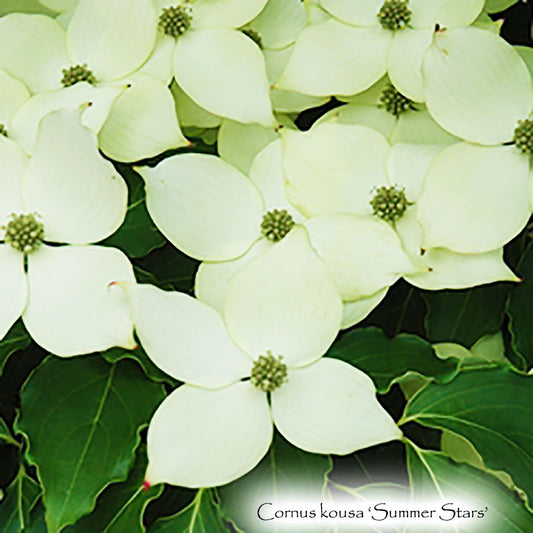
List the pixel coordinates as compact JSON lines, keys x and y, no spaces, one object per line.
{"x":24,"y":233}
{"x":394,"y":14}
{"x":523,"y":136}
{"x":3,"y":130}
{"x":75,"y":74}
{"x":276,"y":224}
{"x":175,"y":20}
{"x":395,"y":102}
{"x":268,"y":372}
{"x":389,"y":203}
{"x":255,"y":36}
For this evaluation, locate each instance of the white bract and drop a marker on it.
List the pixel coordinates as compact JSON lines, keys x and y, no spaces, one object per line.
{"x":97,"y":60}
{"x":68,"y":196}
{"x":280,"y":319}
{"x":368,"y":38}
{"x":232,"y":82}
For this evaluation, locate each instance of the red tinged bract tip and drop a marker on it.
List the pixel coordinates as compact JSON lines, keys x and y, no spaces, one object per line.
{"x":113,"y":283}
{"x":146,"y":485}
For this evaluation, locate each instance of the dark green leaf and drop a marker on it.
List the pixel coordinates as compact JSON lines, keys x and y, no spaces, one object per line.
{"x":19,"y":500}
{"x":520,"y":310}
{"x":138,"y":235}
{"x":170,"y":267}
{"x":82,"y":418}
{"x":491,"y":408}
{"x":402,"y":310}
{"x":121,"y":506}
{"x":23,"y":6}
{"x":433,"y":474}
{"x":386,"y":360}
{"x":17,"y":339}
{"x":139,"y":355}
{"x":203,"y":515}
{"x":284,"y":472}
{"x":467,"y":315}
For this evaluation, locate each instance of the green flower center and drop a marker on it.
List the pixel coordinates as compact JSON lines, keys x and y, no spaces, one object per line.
{"x":24,"y":233}
{"x":268,"y":372}
{"x":3,"y":130}
{"x":523,"y":136}
{"x":389,"y":203}
{"x":254,"y":35}
{"x":394,"y":14}
{"x":175,"y":20}
{"x":395,"y":102}
{"x":276,"y":224}
{"x":77,"y":73}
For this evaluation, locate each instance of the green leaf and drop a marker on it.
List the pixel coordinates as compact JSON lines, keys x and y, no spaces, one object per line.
{"x":203,"y":515}
{"x":170,"y":267}
{"x":284,"y":472}
{"x":138,"y":355}
{"x":121,"y":506}
{"x":496,"y":6}
{"x":490,"y":408}
{"x":520,"y":308}
{"x":434,"y":475}
{"x":82,"y":418}
{"x":467,"y":315}
{"x":526,"y":53}
{"x":17,"y":339}
{"x":138,"y":235}
{"x":387,"y":360}
{"x":20,"y":498}
{"x":23,"y":6}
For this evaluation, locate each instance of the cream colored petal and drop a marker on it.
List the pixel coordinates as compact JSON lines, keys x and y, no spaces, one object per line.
{"x":72,"y":309}
{"x":14,"y":162}
{"x":405,"y":61}
{"x":280,"y":23}
{"x":203,"y":205}
{"x":475,"y":199}
{"x":113,"y":38}
{"x":334,"y":58}
{"x":33,"y":49}
{"x":418,"y":127}
{"x":186,"y":338}
{"x":450,"y":270}
{"x":94,"y":102}
{"x":190,"y":114}
{"x":284,"y":301}
{"x":142,"y":122}
{"x":202,"y":438}
{"x":213,"y":278}
{"x":358,"y":12}
{"x":333,"y":168}
{"x":446,"y":13}
{"x":476,"y":85}
{"x":225,"y":13}
{"x":78,"y":195}
{"x":238,"y":143}
{"x":331,"y":407}
{"x":13,"y":287}
{"x":363,"y":254}
{"x":267,"y":175}
{"x":14,"y":94}
{"x":232,"y":83}
{"x":357,"y":310}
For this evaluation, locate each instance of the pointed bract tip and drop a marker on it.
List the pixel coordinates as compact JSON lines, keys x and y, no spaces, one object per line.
{"x":146,"y":485}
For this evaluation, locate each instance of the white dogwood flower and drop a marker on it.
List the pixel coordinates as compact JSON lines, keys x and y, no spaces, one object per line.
{"x":97,"y":60}
{"x":436,"y":199}
{"x":261,"y":366}
{"x":71,"y":196}
{"x":233,"y":83}
{"x":368,"y":38}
